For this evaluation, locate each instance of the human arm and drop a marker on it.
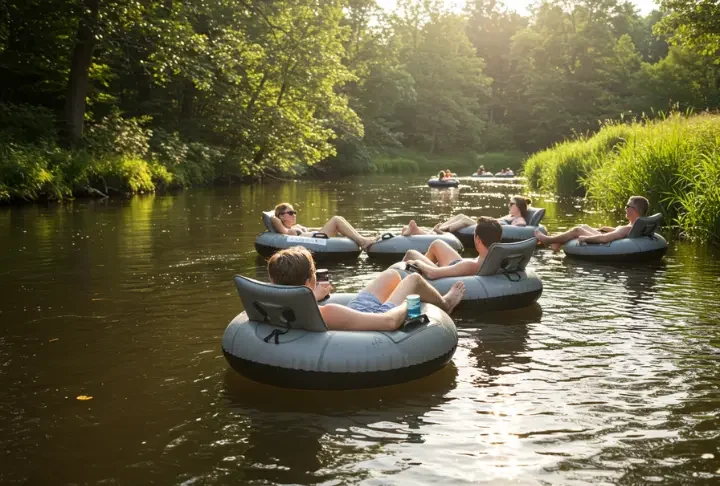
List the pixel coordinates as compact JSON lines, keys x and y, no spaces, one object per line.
{"x":519,"y":221}
{"x":606,"y":229}
{"x":461,"y":269}
{"x":280,"y":228}
{"x":615,"y":234}
{"x":341,"y":318}
{"x":322,"y":290}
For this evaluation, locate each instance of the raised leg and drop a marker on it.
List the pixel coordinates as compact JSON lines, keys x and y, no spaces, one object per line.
{"x":338,"y":224}
{"x":413,"y":229}
{"x":456,"y":223}
{"x":415,"y":284}
{"x":441,"y":253}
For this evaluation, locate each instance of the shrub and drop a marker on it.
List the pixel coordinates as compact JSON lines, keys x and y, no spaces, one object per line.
{"x":119,"y":136}
{"x":393,"y":165}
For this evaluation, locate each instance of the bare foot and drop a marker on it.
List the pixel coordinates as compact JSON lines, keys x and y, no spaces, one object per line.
{"x":454,"y":296}
{"x":556,"y":247}
{"x":541,"y":237}
{"x":367,"y":242}
{"x":436,"y":229}
{"x":405,"y":231}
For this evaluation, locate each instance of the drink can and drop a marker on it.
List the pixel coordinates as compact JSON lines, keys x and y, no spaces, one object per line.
{"x":413,"y":305}
{"x":322,"y":275}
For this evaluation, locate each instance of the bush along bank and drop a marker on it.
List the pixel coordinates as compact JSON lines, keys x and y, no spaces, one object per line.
{"x":674,"y":162}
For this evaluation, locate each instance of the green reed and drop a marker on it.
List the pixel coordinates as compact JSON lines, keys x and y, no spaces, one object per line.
{"x":674,"y":162}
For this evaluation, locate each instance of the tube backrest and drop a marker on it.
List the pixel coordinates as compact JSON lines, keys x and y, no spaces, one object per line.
{"x":285,"y":306}
{"x":267,"y":219}
{"x":507,"y":257}
{"x":645,"y":226}
{"x":534,"y":216}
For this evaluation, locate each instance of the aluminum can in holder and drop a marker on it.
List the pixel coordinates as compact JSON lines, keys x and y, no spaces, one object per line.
{"x":413,"y":305}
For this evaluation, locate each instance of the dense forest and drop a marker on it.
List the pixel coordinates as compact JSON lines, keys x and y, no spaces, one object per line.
{"x":115,"y":95}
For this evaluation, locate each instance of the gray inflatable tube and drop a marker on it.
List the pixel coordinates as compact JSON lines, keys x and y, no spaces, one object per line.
{"x":392,"y":246}
{"x":281,"y":339}
{"x":434,"y":182}
{"x":503,"y":282}
{"x":509,"y":233}
{"x":320,"y":245}
{"x":482,"y":175}
{"x":642,"y":244}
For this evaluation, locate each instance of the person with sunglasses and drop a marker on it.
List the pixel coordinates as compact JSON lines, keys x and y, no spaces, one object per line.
{"x":636,"y":207}
{"x":285,"y":222}
{"x":517,"y":216}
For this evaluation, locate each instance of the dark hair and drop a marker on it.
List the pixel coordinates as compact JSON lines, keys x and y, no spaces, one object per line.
{"x":641,"y":204}
{"x":522,"y":203}
{"x":488,"y":230}
{"x":292,"y":266}
{"x":281,"y":208}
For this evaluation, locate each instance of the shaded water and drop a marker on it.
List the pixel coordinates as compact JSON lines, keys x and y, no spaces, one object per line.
{"x":614,"y":376}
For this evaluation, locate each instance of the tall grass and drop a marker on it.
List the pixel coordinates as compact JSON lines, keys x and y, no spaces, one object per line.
{"x":674,"y":162}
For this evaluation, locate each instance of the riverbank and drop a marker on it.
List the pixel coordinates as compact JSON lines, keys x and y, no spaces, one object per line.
{"x":401,"y":161}
{"x":674,"y":162}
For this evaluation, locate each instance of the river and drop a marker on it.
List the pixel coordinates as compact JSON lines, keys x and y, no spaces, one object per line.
{"x":613,"y":377}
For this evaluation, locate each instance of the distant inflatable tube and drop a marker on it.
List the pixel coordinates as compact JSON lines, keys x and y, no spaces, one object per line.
{"x":482,"y":175}
{"x":504,"y":282}
{"x":395,"y":246}
{"x":642,"y":244}
{"x":320,"y":245}
{"x":444,"y":183}
{"x":509,"y":233}
{"x":281,"y":339}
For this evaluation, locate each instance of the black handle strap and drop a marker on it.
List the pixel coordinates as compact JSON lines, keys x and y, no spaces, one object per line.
{"x":416,"y":321}
{"x":387,"y":236}
{"x":412,"y":268}
{"x":320,"y":235}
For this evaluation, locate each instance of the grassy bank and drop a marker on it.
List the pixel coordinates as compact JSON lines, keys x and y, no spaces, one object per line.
{"x":400,"y":161}
{"x":674,"y":162}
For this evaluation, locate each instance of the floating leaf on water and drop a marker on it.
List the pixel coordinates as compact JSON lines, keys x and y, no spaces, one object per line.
{"x":53,"y":340}
{"x":84,"y":397}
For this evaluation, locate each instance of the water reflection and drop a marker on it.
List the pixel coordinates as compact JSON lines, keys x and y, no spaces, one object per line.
{"x":297,"y":440}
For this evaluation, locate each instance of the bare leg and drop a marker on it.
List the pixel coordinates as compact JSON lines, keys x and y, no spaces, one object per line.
{"x":456,"y":223}
{"x":415,"y":284}
{"x":413,"y":229}
{"x":384,"y":284}
{"x":442,"y":253}
{"x":338,"y":224}
{"x":416,"y":255}
{"x":558,"y":240}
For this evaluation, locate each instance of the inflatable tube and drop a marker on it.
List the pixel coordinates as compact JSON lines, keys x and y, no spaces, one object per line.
{"x":444,"y":183}
{"x":281,"y":339}
{"x":393,"y":246}
{"x":322,"y":247}
{"x":642,"y":244}
{"x":482,"y":175}
{"x":503,"y":281}
{"x":509,"y":233}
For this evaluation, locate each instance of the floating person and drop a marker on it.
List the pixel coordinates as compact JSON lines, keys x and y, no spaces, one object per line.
{"x":442,"y":175}
{"x":636,"y":207}
{"x":501,"y":173}
{"x":517,"y":216}
{"x":380,"y":306}
{"x":443,"y":261}
{"x":509,"y":172}
{"x":285,"y":222}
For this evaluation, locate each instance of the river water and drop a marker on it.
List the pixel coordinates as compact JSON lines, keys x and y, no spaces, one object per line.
{"x":612,"y":378}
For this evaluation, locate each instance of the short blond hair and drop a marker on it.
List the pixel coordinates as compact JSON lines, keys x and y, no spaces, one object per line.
{"x":641,"y":204}
{"x":281,"y":208}
{"x":292,"y":266}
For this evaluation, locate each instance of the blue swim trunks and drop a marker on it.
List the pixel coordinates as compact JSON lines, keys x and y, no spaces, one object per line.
{"x":367,"y":302}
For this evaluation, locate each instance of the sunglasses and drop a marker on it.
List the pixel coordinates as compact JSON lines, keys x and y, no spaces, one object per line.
{"x":291,"y":213}
{"x":627,"y":206}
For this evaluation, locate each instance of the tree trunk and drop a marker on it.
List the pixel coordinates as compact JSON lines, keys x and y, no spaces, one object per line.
{"x":80,"y":70}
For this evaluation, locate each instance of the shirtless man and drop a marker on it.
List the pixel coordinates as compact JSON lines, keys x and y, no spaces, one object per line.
{"x":442,"y":261}
{"x":381,"y":306}
{"x":636,"y":207}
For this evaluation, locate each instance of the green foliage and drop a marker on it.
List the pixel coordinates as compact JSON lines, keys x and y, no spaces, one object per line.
{"x":26,"y":123}
{"x":118,"y":135}
{"x":29,"y":172}
{"x":393,"y":165}
{"x":673,"y":162}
